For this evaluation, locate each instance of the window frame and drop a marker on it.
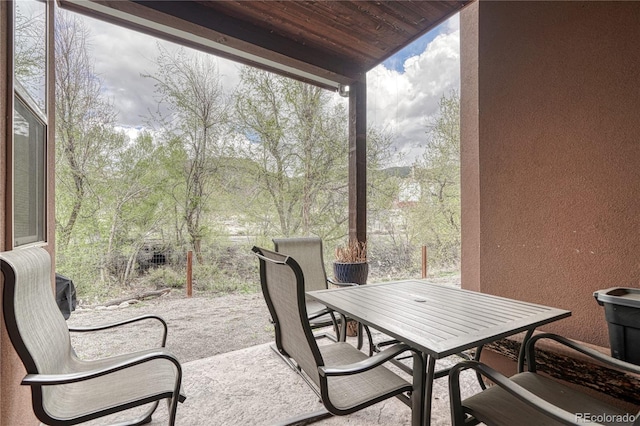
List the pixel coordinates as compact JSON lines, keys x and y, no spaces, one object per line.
{"x":16,"y":93}
{"x":40,"y":196}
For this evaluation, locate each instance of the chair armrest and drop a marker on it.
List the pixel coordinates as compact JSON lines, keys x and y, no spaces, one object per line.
{"x":61,"y":379}
{"x":339,"y":284}
{"x":120,"y":323}
{"x":512,"y":388}
{"x":366,"y":364}
{"x":606,"y":359}
{"x":318,"y":314}
{"x":387,"y":343}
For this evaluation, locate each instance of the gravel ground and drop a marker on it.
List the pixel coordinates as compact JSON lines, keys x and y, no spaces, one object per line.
{"x":199,"y":327}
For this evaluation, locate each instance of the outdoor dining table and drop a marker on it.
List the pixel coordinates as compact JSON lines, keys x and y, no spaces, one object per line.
{"x":437,"y":320}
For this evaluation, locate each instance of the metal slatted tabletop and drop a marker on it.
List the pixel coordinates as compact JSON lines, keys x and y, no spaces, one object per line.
{"x":436,"y":320}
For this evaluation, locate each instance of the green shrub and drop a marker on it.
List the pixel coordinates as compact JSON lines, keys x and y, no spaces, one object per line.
{"x":166,"y":277}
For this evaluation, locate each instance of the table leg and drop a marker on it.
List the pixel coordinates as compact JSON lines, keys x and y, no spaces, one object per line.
{"x":343,"y":328}
{"x":418,"y":394}
{"x":476,"y":357}
{"x":521,"y":354}
{"x":428,"y":388}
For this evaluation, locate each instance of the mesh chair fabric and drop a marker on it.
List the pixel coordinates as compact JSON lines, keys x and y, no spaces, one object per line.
{"x":39,"y":332}
{"x":497,"y":407}
{"x":308,"y":253}
{"x":356,"y":389}
{"x":284,"y":288}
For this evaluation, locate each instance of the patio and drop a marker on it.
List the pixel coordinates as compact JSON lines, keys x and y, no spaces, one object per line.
{"x":253,"y":386}
{"x":548,"y":168}
{"x":231,"y":376}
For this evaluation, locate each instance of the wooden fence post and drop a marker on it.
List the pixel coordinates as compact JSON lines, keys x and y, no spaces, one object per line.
{"x":189,"y":273}
{"x":424,"y":262}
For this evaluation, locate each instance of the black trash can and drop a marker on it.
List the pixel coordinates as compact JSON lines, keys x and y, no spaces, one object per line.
{"x":65,"y":295}
{"x":622,"y":312}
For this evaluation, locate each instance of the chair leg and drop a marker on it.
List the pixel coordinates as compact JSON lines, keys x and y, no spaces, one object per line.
{"x":298,"y":371}
{"x":147,"y":416}
{"x":371,"y":345}
{"x":307,"y":418}
{"x":284,"y":358}
{"x":146,"y":420}
{"x":172,"y":405}
{"x":142,"y":420}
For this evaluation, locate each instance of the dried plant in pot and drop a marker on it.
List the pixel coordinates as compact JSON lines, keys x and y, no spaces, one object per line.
{"x":350,"y":266}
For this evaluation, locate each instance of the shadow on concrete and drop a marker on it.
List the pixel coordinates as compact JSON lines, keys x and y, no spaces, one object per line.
{"x":254,"y":386}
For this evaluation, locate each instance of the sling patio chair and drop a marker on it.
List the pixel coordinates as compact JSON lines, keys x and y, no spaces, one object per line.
{"x":345,"y":379}
{"x":307,"y":251}
{"x":531,"y":399}
{"x":66,"y":390}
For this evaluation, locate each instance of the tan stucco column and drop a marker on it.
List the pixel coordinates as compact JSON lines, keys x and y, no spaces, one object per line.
{"x":551,"y":154}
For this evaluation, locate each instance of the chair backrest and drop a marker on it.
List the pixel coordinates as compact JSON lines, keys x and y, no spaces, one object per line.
{"x":35,"y":325}
{"x":308,"y":254}
{"x":283,"y":288}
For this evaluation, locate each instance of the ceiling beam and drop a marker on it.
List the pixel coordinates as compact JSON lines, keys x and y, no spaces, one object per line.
{"x":241,"y":32}
{"x":139,"y":17}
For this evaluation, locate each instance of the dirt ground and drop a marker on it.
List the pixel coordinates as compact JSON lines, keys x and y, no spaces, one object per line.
{"x":199,"y":327}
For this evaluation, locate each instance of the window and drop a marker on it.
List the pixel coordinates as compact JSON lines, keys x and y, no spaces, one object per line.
{"x":28,"y":175}
{"x":29,"y":122}
{"x":30,"y":62}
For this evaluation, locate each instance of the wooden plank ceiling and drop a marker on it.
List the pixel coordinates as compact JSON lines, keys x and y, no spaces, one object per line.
{"x":322,"y":42}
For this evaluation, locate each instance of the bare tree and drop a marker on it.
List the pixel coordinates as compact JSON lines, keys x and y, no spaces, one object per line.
{"x":189,"y":87}
{"x":84,"y":124}
{"x":299,"y":142}
{"x":30,"y":53}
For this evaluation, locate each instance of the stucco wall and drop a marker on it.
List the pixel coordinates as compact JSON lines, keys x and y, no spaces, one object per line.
{"x":557,"y":141}
{"x":15,"y":400}
{"x":469,"y":149}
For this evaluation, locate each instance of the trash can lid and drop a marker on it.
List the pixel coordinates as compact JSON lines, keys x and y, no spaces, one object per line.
{"x":624,"y":296}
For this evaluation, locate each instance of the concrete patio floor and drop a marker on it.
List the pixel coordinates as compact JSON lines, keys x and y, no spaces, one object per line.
{"x":254,"y":386}
{"x":248,"y":386}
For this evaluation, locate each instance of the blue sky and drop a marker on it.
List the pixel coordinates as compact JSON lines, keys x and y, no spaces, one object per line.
{"x":396,"y":62}
{"x":404,"y":92}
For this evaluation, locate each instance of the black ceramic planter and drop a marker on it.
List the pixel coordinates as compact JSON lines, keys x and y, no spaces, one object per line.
{"x":351,"y":272}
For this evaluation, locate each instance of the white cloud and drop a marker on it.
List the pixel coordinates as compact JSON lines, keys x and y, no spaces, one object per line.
{"x":398,"y":101}
{"x":131,"y":132}
{"x":122,"y":55}
{"x":453,"y":23}
{"x":404,"y":102}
